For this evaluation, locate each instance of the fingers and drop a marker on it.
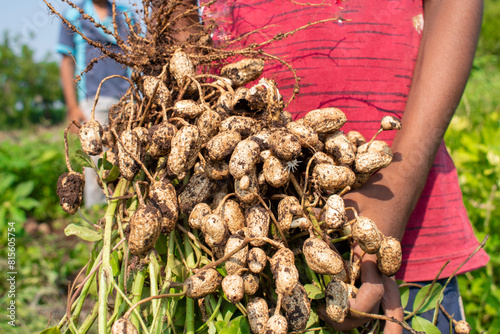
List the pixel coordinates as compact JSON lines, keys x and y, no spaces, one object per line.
{"x":372,"y":288}
{"x":367,"y":299}
{"x":391,"y":304}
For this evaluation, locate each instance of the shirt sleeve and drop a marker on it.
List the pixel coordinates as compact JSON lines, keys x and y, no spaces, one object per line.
{"x":66,"y":41}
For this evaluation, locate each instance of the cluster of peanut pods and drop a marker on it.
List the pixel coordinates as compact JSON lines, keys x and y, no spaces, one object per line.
{"x":222,"y":151}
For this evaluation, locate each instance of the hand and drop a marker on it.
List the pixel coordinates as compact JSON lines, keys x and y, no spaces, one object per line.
{"x":376,"y":290}
{"x":75,"y":114}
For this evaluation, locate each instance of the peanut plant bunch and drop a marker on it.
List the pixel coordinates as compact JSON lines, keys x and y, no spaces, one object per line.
{"x":217,"y":199}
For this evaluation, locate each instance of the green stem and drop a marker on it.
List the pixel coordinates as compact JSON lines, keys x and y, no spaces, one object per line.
{"x":314,"y":221}
{"x":191,"y":263}
{"x":119,"y":299}
{"x":137,"y":287}
{"x":212,"y":316}
{"x":78,"y":304}
{"x":170,"y":305}
{"x":72,"y":326}
{"x":153,"y":279}
{"x":106,"y":272}
{"x":136,"y":312}
{"x":211,"y":301}
{"x":346,"y":237}
{"x":85,"y":290}
{"x":84,"y":328}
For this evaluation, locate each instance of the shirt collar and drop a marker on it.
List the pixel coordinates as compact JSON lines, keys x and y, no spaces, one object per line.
{"x":88,"y":8}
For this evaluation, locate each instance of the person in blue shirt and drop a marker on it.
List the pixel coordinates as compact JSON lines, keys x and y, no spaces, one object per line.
{"x":76,"y":55}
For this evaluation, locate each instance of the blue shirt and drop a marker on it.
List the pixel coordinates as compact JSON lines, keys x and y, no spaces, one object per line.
{"x":72,"y":44}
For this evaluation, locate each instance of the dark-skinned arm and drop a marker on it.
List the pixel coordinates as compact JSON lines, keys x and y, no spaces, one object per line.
{"x":449,"y":40}
{"x":67,"y":74}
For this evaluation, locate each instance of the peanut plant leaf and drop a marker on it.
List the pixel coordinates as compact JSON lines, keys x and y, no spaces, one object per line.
{"x":161,"y":244}
{"x":313,"y":291}
{"x":82,"y":232}
{"x":113,"y":174}
{"x":107,"y":165}
{"x":313,"y":319}
{"x":423,"y":325}
{"x":6,"y":180}
{"x":211,"y":328}
{"x":228,"y":311}
{"x":115,"y":263}
{"x":238,"y":325}
{"x":175,"y":266}
{"x":23,"y":189}
{"x":83,"y":159}
{"x":28,"y":203}
{"x":219,"y":325}
{"x":431,"y":300}
{"x":405,"y":295}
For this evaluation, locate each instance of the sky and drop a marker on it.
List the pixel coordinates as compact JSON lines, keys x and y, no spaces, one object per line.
{"x":32,"y":23}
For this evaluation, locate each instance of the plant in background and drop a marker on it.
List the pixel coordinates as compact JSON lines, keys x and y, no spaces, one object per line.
{"x":29,"y":90}
{"x":473,"y":141}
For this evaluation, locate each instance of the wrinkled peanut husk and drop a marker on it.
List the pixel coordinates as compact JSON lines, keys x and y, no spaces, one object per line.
{"x":70,"y":191}
{"x":202,"y":283}
{"x":145,"y":228}
{"x":258,"y":314}
{"x":123,"y":326}
{"x":297,"y":308}
{"x":389,"y":256}
{"x":90,"y":135}
{"x":320,"y":258}
{"x":233,"y":287}
{"x":337,"y":301}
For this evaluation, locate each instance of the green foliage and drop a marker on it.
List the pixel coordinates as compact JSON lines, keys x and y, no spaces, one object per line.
{"x":473,"y":143}
{"x":473,"y":139}
{"x":423,"y":325}
{"x":427,"y":299}
{"x":489,"y":42}
{"x":43,"y":265}
{"x":30,"y":165}
{"x":238,"y":325}
{"x":29,"y":90}
{"x":29,"y":169}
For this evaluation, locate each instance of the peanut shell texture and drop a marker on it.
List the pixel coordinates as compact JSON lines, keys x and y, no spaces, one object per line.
{"x":258,"y":315}
{"x":366,"y":234}
{"x":325,"y":120}
{"x":337,"y":301}
{"x":243,"y":71}
{"x":202,"y":283}
{"x":277,"y":324}
{"x":297,"y":308}
{"x":123,"y":326}
{"x":70,"y":187}
{"x":320,"y":258}
{"x":90,"y":134}
{"x":145,"y":228}
{"x":389,"y":256}
{"x":256,"y":259}
{"x":233,"y":287}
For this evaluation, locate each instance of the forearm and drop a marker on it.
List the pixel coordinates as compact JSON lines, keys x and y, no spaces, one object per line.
{"x":445,"y":57}
{"x":67,"y":72}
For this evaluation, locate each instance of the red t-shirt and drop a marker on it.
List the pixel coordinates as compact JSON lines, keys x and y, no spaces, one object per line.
{"x":362,"y":63}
